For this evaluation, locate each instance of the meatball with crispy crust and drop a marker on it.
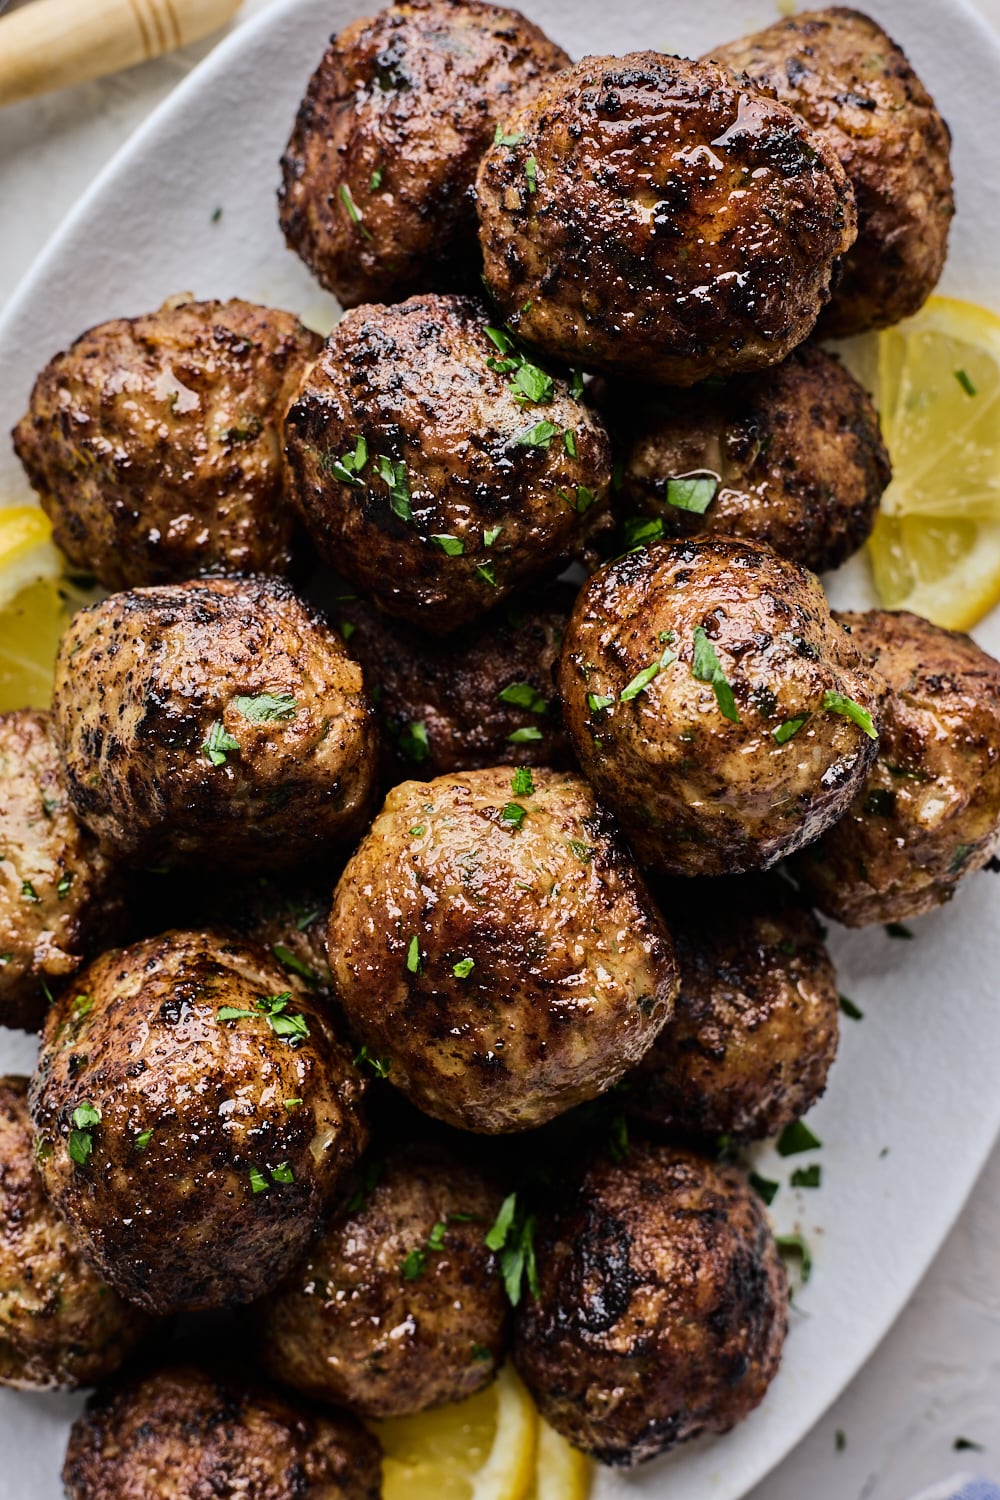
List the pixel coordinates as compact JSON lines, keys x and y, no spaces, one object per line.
{"x":377,"y":177}
{"x":438,"y":468}
{"x":715,"y":705}
{"x":195,"y":1112}
{"x":791,"y":456}
{"x":841,"y":73}
{"x":929,"y":812}
{"x":661,"y":1308}
{"x":187,"y":1434}
{"x":493,"y":940}
{"x":155,"y":443}
{"x":399,"y":1304}
{"x":218,"y":722}
{"x":650,"y":217}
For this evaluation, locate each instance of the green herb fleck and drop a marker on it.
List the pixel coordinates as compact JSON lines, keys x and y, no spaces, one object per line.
{"x":435,"y":1240}
{"x":62,"y":889}
{"x":538,"y":436}
{"x":794,"y":1246}
{"x":28,"y":892}
{"x":353,"y":211}
{"x":291,"y":1104}
{"x":486,"y":572}
{"x":706,"y":667}
{"x":585,"y":498}
{"x":583,"y":852}
{"x":524,"y":736}
{"x":451,"y":546}
{"x":807,"y":1177}
{"x":849,"y":1008}
{"x":418,"y":830}
{"x":142,"y":1140}
{"x":789,"y":729}
{"x":797,"y":1138}
{"x":380,"y":1066}
{"x":522,"y":782}
{"x":966,"y":1445}
{"x":965,"y":381}
{"x":282,"y":1173}
{"x":258,"y":1182}
{"x":266,"y":708}
{"x":523,"y":695}
{"x":490,"y":535}
{"x":464,"y":968}
{"x":414,"y":741}
{"x":481,"y":1354}
{"x":569,"y":442}
{"x":347,"y":629}
{"x":290,"y":960}
{"x":413,"y":1265}
{"x":531,"y":174}
{"x":217,"y":744}
{"x":764,"y":1187}
{"x":413,"y":955}
{"x":897,"y":930}
{"x":692,"y":492}
{"x":375,"y":180}
{"x":395,"y":476}
{"x":532,"y":383}
{"x":514,"y":814}
{"x":511,"y":1237}
{"x":81,"y":1140}
{"x":836,"y":703}
{"x":598,"y":702}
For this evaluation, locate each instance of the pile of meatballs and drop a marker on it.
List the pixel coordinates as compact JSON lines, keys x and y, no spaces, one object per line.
{"x":415,"y":878}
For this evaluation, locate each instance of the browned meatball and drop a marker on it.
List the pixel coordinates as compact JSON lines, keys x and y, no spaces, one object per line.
{"x":59,"y":897}
{"x":377,"y":177}
{"x":929,"y":812}
{"x":647,"y":216}
{"x":61,"y":1326}
{"x":755,"y":1028}
{"x":185,"y":1434}
{"x":839,"y":70}
{"x":155,"y":443}
{"x":217,"y":722}
{"x":195,"y":1112}
{"x":715,"y":705}
{"x":436,"y":467}
{"x":661,"y":1307}
{"x":492,"y":940}
{"x":399,"y":1305}
{"x":791,"y":456}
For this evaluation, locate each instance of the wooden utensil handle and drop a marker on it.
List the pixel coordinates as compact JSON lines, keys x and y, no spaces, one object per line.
{"x":50,"y":44}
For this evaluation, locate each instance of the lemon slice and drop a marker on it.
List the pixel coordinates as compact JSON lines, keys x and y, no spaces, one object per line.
{"x":27,"y":553}
{"x":34,"y":611}
{"x":561,"y":1472}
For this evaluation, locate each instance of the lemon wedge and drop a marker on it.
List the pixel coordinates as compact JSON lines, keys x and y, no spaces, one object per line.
{"x":561,"y":1472}
{"x":34,"y":610}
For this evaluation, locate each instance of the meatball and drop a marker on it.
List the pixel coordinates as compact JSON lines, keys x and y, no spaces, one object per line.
{"x":791,"y":456}
{"x":755,"y":1028}
{"x":647,"y":216}
{"x":217,"y":722}
{"x":929,"y":812}
{"x":377,"y":177}
{"x":436,"y":467}
{"x":493,"y":942}
{"x":661,"y":1307}
{"x":840,"y":72}
{"x":195,"y":1112}
{"x":60,"y":1325}
{"x":155,"y":445}
{"x":715,"y":705}
{"x":399,"y":1305}
{"x":185,"y":1434}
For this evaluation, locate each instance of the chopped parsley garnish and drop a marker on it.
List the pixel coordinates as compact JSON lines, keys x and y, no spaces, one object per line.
{"x":266,"y":708}
{"x":275,"y":1009}
{"x":413,"y":1265}
{"x":486,"y":573}
{"x":490,"y":535}
{"x":413,"y":955}
{"x":797,"y":1138}
{"x":531,"y":174}
{"x":807,"y":1177}
{"x":538,"y":436}
{"x":641,"y":681}
{"x":789,"y":729}
{"x":62,"y":889}
{"x":514,"y":814}
{"x":369,"y":1181}
{"x":142,"y":1140}
{"x":82,"y":1006}
{"x":435,"y":1240}
{"x":533,"y":383}
{"x":694,"y":492}
{"x":380,"y":1066}
{"x":512,"y":1238}
{"x":639,"y":531}
{"x":291,"y":1104}
{"x":282,"y":1173}
{"x":347,"y":468}
{"x":966,"y":1445}
{"x":522,"y":782}
{"x":396,"y":477}
{"x":217,"y":744}
{"x":464,"y":968}
{"x":81,"y":1140}
{"x":959,"y":858}
{"x":503,"y":138}
{"x":418,"y":830}
{"x":840,"y":1440}
{"x":353,"y":211}
{"x":414,"y":741}
{"x":481,"y":1354}
{"x":764,"y":1187}
{"x":290,"y":960}
{"x":583,"y":852}
{"x":451,"y":546}
{"x":258,"y":1182}
{"x":618,"y":1143}
{"x":585,"y":498}
{"x":598,"y":702}
{"x":523,"y":695}
{"x":793,"y":1245}
{"x":524,"y":736}
{"x":569,"y":442}
{"x":216,"y":215}
{"x":849,"y":1008}
{"x":347,"y":629}
{"x":897,"y":930}
{"x":706,"y":667}
{"x":29,"y":893}
{"x":375,"y":180}
{"x":965,"y":381}
{"x":836,"y":703}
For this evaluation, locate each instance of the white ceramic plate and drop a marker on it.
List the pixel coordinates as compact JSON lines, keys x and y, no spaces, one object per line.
{"x":913,"y":1105}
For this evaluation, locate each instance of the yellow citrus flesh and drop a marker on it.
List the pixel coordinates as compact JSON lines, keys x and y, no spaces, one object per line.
{"x":561,"y":1473}
{"x":33,"y":611}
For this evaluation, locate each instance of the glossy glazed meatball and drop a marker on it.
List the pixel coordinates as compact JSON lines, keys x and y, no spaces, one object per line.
{"x":929,"y":811}
{"x":217,"y":722}
{"x":654,"y":219}
{"x":791,"y":456}
{"x":399,"y":1304}
{"x":755,"y":1027}
{"x":59,"y":897}
{"x":155,"y":443}
{"x":839,"y":70}
{"x":184,"y":1434}
{"x":438,"y":469}
{"x":377,"y":177}
{"x":492,"y":938}
{"x":714,"y":704}
{"x":195,"y":1112}
{"x":662,"y":1305}
{"x":61,"y":1326}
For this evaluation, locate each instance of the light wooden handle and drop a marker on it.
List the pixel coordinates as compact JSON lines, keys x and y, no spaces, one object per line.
{"x":50,"y":44}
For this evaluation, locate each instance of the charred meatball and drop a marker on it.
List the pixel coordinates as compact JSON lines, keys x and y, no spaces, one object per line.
{"x":436,"y":467}
{"x":399,"y":1305}
{"x":215,"y":722}
{"x":59,"y":898}
{"x":791,"y":456}
{"x":840,"y":72}
{"x":184,"y":1434}
{"x":155,"y":443}
{"x":492,"y":941}
{"x":715,"y":705}
{"x":755,"y":1027}
{"x":60,"y":1325}
{"x":377,"y":177}
{"x":194,"y":1112}
{"x":647,"y":216}
{"x":929,"y":812}
{"x":661,"y":1307}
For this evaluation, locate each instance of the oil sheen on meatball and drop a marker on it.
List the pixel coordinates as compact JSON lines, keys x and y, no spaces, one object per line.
{"x":662,"y":1305}
{"x":377,"y":176}
{"x":399,"y":1305}
{"x":839,"y":70}
{"x":155,"y":443}
{"x":218,"y":722}
{"x":648,"y":216}
{"x":187,"y":1434}
{"x":493,"y":943}
{"x":791,"y":456}
{"x":929,"y":812}
{"x":715,"y":705}
{"x":59,"y":898}
{"x":194,"y":1113}
{"x":438,"y":468}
